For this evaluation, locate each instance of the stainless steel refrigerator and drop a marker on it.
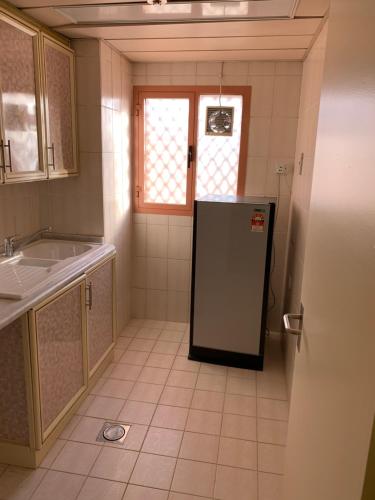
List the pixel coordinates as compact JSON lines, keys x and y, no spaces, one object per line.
{"x":232,"y":246}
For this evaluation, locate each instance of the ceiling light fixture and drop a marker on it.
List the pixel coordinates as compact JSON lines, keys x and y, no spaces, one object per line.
{"x":157,"y":2}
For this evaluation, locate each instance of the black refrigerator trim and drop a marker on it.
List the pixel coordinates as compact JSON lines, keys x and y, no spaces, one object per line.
{"x":230,"y":358}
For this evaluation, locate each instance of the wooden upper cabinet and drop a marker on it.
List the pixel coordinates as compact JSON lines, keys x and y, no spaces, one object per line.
{"x":59,"y":88}
{"x":20,"y":102}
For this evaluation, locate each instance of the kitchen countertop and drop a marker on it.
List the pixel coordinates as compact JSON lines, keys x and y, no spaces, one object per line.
{"x":11,"y":309}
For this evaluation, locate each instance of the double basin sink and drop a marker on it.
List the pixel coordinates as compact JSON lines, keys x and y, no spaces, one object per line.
{"x":36,"y":263}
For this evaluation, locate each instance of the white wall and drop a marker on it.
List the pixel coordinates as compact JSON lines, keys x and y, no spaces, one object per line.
{"x":302,"y":180}
{"x":160,"y":281}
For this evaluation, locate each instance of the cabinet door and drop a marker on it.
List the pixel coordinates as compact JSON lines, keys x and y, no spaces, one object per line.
{"x":60,"y":109}
{"x":21,"y":157}
{"x":100,"y":314}
{"x":60,"y":364}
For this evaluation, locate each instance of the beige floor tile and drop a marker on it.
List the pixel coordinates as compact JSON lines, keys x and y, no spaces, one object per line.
{"x":200,"y":447}
{"x":114,"y":388}
{"x":271,"y":458}
{"x":135,"y":358}
{"x":136,"y":322}
{"x":177,"y":326}
{"x":270,"y":486}
{"x":51,"y":455}
{"x":212,"y":369}
{"x":103,"y":407}
{"x":179,"y":378}
{"x":232,"y":483}
{"x":207,"y":382}
{"x":273,"y":409}
{"x":163,"y":347}
{"x":99,"y":384}
{"x":238,"y":426}
{"x":208,"y":400}
{"x":182,"y":496}
{"x":160,"y":360}
{"x":137,"y":412}
{"x":187,"y":365}
{"x":134,"y":492}
{"x":196,"y":478}
{"x":149,"y":393}
{"x":238,"y":453}
{"x":87,"y":430}
{"x":101,"y":489}
{"x":77,"y":458}
{"x":206,"y":422}
{"x":85,"y":404}
{"x":170,"y":417}
{"x":17,"y":483}
{"x":144,"y":345}
{"x":162,"y":441}
{"x":117,"y":354}
{"x":70,"y":426}
{"x":242,"y":386}
{"x":272,"y":431}
{"x":154,"y":323}
{"x":58,"y":486}
{"x":153,"y":375}
{"x":271,"y":388}
{"x":123,"y":343}
{"x":241,"y":372}
{"x":171,"y":336}
{"x":129,"y":331}
{"x":154,"y":471}
{"x":114,"y":464}
{"x":183,"y":350}
{"x":124,"y":371}
{"x":148,"y":333}
{"x":240,"y":405}
{"x":134,"y":438}
{"x":176,"y":396}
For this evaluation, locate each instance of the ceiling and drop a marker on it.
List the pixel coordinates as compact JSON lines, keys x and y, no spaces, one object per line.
{"x":236,"y":30}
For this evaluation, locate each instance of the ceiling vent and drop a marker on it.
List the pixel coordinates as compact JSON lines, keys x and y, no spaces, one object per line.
{"x":161,"y":11}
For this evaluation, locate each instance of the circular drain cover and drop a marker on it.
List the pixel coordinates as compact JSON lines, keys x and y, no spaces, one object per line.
{"x":114,"y":432}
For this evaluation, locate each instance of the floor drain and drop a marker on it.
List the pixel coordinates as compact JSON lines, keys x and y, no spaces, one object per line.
{"x":113,"y":432}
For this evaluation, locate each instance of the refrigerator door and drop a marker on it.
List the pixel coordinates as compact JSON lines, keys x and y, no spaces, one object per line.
{"x":230,"y":245}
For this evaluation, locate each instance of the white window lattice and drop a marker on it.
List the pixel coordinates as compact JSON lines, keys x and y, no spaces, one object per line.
{"x":166,"y":133}
{"x":218,"y":156}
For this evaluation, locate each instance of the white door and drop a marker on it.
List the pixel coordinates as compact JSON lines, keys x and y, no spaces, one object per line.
{"x":333,"y":396}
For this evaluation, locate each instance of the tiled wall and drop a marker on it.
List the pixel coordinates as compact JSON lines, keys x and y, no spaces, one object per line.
{"x":116,"y":97}
{"x":75,"y":205}
{"x":19,"y":209}
{"x":98,"y":200}
{"x":161,"y":267}
{"x":272,"y":138}
{"x":300,"y":202}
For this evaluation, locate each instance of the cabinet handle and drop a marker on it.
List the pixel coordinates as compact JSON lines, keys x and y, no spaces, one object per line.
{"x":51,"y":148}
{"x":2,"y":156}
{"x":89,"y":300}
{"x":7,"y":145}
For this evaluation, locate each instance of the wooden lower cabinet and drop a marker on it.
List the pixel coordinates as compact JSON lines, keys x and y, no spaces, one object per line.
{"x":100,"y":313}
{"x":59,"y":351}
{"x":49,"y":359}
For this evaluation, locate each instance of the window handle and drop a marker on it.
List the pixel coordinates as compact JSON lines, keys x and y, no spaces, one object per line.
{"x":190,"y":156}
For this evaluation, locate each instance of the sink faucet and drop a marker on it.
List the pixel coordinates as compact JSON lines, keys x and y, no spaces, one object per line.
{"x":10,"y":242}
{"x":9,"y":246}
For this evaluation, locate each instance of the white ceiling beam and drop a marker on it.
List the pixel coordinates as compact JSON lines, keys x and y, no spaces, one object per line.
{"x":193,"y":30}
{"x":190,"y":44}
{"x":218,"y":55}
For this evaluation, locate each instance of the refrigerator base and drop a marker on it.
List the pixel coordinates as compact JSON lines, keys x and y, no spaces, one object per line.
{"x":227,"y":358}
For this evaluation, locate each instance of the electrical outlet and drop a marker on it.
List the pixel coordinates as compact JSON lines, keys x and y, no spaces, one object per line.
{"x":281,"y":170}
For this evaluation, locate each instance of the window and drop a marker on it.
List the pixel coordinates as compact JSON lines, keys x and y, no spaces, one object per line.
{"x":178,"y":154}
